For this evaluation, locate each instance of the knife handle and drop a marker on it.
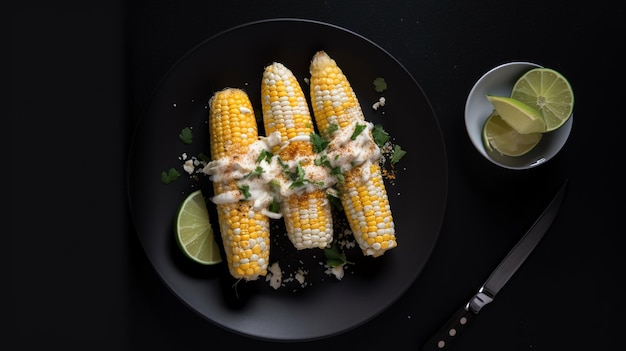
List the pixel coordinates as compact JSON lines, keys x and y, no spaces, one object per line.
{"x":450,"y":331}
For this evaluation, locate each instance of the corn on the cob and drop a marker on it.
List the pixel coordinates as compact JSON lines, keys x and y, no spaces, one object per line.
{"x":307,"y":210}
{"x":244,"y":229}
{"x":362,"y":193}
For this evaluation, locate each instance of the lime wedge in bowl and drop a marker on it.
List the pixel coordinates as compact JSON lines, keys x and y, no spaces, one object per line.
{"x":499,"y":81}
{"x":521,"y":117}
{"x":547,"y":91}
{"x":499,"y":136}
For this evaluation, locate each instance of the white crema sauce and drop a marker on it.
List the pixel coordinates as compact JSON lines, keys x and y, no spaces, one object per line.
{"x":268,"y":180}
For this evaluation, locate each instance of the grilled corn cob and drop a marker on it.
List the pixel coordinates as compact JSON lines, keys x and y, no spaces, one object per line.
{"x":306,"y":209}
{"x":362,"y":193}
{"x":244,"y":229}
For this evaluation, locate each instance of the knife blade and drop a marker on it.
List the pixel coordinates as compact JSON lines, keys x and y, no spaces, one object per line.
{"x":458,"y":322}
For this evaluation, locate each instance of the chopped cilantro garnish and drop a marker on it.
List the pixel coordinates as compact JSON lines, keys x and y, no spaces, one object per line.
{"x":169,"y":176}
{"x":297,"y":183}
{"x":264,"y":155}
{"x":335,"y":202}
{"x":322,"y":160}
{"x":297,"y":177}
{"x":398,"y":153}
{"x":245,"y":190}
{"x":336,"y":171}
{"x":204,"y":157}
{"x":319,"y":184}
{"x":256,"y":173}
{"x":380,"y":135}
{"x":380,"y":85}
{"x":357,"y":130}
{"x":186,"y":135}
{"x":282,"y":164}
{"x":274,"y":206}
{"x":319,"y":143}
{"x":275,"y":185}
{"x":335,"y":258}
{"x":300,"y":171}
{"x":333,"y":127}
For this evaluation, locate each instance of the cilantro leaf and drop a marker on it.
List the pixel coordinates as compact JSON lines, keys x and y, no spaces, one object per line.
{"x":245,"y":190}
{"x":186,"y":135}
{"x":283,"y":165}
{"x":380,"y":135}
{"x":398,"y":153}
{"x":319,"y":143}
{"x":357,"y":130}
{"x":275,"y":185}
{"x":322,"y":161}
{"x":334,"y":257}
{"x":274,"y":206}
{"x":264,"y":155}
{"x":336,"y":171}
{"x":297,"y":177}
{"x":335,"y":202}
{"x":380,"y":85}
{"x":256,"y":173}
{"x":332,"y":128}
{"x":169,"y":176}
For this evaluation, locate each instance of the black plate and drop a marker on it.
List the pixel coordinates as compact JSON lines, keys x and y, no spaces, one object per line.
{"x":323,"y":306}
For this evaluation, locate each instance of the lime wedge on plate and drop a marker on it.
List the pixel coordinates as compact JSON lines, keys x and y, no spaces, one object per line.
{"x":547,"y":91}
{"x":193,"y":230}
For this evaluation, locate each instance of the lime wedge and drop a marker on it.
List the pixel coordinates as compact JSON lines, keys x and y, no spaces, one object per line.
{"x":523,"y":118}
{"x":498,"y":135}
{"x":547,"y":91}
{"x":194,"y":232}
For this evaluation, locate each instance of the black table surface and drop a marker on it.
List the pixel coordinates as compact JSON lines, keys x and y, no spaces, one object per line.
{"x":81,"y":73}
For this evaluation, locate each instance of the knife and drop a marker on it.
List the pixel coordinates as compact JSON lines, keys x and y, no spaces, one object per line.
{"x":458,"y":322}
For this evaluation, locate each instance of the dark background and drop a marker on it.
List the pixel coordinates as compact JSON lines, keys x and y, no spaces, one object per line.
{"x":80,"y":74}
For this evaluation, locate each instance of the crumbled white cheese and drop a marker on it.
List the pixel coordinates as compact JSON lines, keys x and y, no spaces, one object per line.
{"x":300,"y":276}
{"x":379,"y":103}
{"x":344,"y":151}
{"x":192,"y":164}
{"x":189,"y":167}
{"x":337,"y":271}
{"x":275,"y":276}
